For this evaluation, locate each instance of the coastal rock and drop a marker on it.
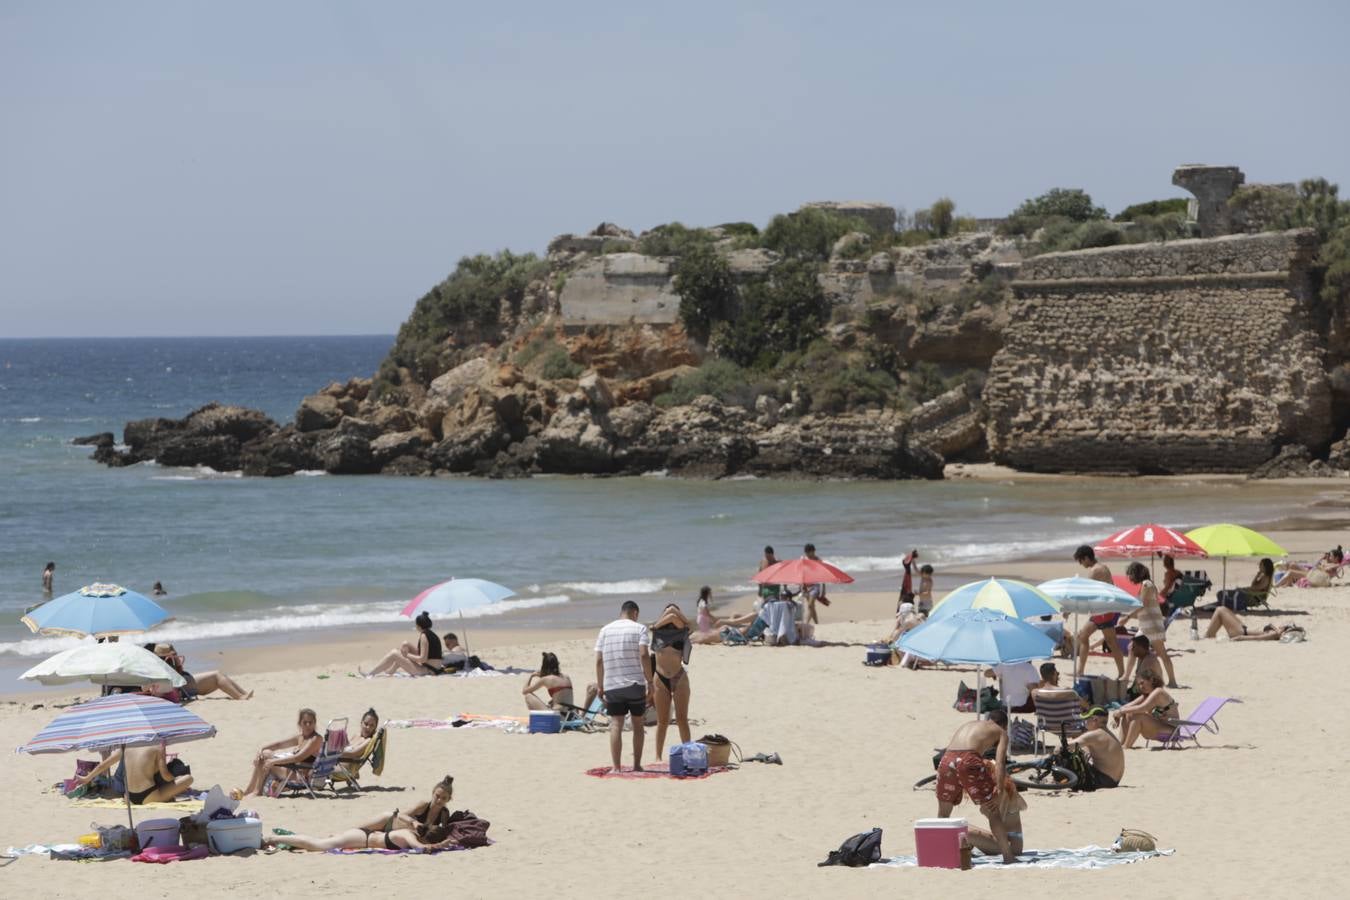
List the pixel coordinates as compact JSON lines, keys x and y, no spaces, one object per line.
{"x":217,"y":451}
{"x":346,"y":454}
{"x":645,"y":389}
{"x":1293,"y":461}
{"x":860,"y":445}
{"x":359,"y":427}
{"x":237,"y":422}
{"x":394,"y":418}
{"x":465,"y":446}
{"x":596,"y":391}
{"x":102,"y":439}
{"x":448,"y":388}
{"x":388,"y":447}
{"x":318,"y":412}
{"x":284,"y":453}
{"x":702,"y":439}
{"x":407,"y":465}
{"x":1339,"y":455}
{"x":576,"y":440}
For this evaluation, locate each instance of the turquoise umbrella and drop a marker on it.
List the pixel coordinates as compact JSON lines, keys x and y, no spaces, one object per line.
{"x":1012,"y":598}
{"x":1089,"y":596}
{"x":97,"y":610}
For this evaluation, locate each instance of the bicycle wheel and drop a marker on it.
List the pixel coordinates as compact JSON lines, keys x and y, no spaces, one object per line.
{"x":1039,"y":777}
{"x":924,"y":782}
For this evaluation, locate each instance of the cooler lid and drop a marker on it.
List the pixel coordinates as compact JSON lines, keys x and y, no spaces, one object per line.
{"x":940,"y":823}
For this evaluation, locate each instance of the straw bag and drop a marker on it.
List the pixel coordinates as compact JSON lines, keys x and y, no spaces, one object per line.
{"x":1132,"y":840}
{"x":719,"y":749}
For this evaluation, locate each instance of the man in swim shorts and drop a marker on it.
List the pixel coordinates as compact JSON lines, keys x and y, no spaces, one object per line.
{"x":962,"y":770}
{"x":1106,"y":757}
{"x":1103,"y":622}
{"x":623,"y":670}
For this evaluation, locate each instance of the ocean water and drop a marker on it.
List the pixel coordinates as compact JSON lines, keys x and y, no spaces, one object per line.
{"x":278,"y":559}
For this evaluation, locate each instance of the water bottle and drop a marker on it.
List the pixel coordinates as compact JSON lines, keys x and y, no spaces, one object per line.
{"x":1195,"y":628}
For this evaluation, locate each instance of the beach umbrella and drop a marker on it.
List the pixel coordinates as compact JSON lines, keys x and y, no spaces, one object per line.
{"x":1089,"y":596}
{"x":1227,"y":540}
{"x":1016,"y":599}
{"x":111,"y":663}
{"x":1148,"y":540}
{"x":97,"y":610}
{"x":979,"y":636}
{"x":802,"y":571}
{"x":456,"y":595}
{"x":119,"y":721}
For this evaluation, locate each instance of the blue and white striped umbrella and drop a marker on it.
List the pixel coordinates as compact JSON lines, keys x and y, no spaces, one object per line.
{"x":98,"y":610}
{"x":1089,"y":596}
{"x":119,"y":720}
{"x":1012,"y":598}
{"x":979,"y":636}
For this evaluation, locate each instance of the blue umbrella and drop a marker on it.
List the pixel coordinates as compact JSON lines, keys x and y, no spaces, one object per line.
{"x":455,"y":595}
{"x":1089,"y":596}
{"x":119,"y":721}
{"x":98,"y":610}
{"x":979,"y":636}
{"x":1012,"y":598}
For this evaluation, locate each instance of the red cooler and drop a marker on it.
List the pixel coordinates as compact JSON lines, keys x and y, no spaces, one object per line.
{"x":939,"y":842}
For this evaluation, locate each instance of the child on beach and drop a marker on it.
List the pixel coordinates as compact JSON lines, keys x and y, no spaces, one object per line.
{"x":925,"y":589}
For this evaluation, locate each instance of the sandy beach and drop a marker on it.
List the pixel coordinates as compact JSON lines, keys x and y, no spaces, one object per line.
{"x":1241,"y":811}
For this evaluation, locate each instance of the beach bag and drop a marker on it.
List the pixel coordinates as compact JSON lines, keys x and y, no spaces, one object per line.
{"x":1132,"y":840}
{"x":1021,"y":736}
{"x":860,"y":850}
{"x":467,"y":830}
{"x":688,"y":759}
{"x":965,"y":699}
{"x":191,"y":833}
{"x":719,"y":749}
{"x":117,"y":837}
{"x":1294,"y":635}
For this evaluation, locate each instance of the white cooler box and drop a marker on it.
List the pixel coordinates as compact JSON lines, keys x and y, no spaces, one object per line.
{"x":233,"y":835}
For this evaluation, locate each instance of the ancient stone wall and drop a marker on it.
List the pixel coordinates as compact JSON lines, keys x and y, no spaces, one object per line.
{"x":1189,"y":356}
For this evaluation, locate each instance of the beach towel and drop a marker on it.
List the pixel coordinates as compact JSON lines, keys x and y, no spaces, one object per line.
{"x":515,"y":724}
{"x":191,"y":805}
{"x":656,"y":770}
{"x":381,"y":851}
{"x":1089,"y":857}
{"x":166,"y":855}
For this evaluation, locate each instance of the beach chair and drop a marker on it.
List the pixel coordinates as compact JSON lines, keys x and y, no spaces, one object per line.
{"x":754,"y":633}
{"x":349,"y":770}
{"x":1055,"y":708}
{"x":577,"y":719}
{"x":1189,"y":728}
{"x":299,"y":777}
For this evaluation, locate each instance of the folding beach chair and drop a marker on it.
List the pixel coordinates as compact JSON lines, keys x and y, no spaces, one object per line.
{"x":304,"y":776}
{"x":349,"y":770}
{"x":1055,"y":708}
{"x":1189,"y":728}
{"x":754,"y":633}
{"x":577,"y":719}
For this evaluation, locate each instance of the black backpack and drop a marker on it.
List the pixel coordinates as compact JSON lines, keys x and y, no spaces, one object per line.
{"x":859,"y":850}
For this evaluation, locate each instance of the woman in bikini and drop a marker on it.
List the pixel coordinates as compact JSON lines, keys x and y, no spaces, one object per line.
{"x":1230,"y":622}
{"x":423,"y":658}
{"x":356,"y":747}
{"x":670,"y":651}
{"x":1151,"y":713}
{"x":197,"y":685}
{"x":273,"y":758}
{"x":1151,"y":622}
{"x":707,"y":632}
{"x":551,"y":678}
{"x":425,"y":827}
{"x":147,"y":774}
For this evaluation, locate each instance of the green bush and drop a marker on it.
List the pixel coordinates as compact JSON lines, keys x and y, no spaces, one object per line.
{"x":808,"y":234}
{"x":1066,"y":203}
{"x":1335,"y":255}
{"x":1060,"y":234}
{"x":704,"y":285}
{"x":1164,"y":227}
{"x":722,"y":379}
{"x":1318,"y":207}
{"x":1261,"y":207}
{"x":781,"y":313}
{"x":739,"y":229}
{"x":854,"y":387}
{"x":941,"y":216}
{"x":672,"y":239}
{"x":556,"y":363}
{"x":1152,"y":208}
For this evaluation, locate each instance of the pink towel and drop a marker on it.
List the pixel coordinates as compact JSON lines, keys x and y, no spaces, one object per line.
{"x":656,"y":770}
{"x":170,"y":854}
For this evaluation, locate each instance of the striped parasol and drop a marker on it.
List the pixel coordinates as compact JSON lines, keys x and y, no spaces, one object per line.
{"x":119,"y":720}
{"x":1012,"y":598}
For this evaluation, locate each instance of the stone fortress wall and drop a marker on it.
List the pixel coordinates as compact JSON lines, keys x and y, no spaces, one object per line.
{"x":1190,"y":356}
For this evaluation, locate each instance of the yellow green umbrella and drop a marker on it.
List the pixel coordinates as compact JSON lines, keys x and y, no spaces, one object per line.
{"x":1233,"y":540}
{"x":1014,"y":599}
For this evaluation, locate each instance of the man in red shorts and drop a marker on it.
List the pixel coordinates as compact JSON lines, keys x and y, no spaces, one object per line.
{"x":963,"y":769}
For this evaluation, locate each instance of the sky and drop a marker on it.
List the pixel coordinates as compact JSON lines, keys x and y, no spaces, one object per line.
{"x":250,"y":168}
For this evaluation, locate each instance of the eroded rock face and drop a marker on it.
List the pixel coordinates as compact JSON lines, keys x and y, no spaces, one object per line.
{"x":283,"y":453}
{"x":318,"y":412}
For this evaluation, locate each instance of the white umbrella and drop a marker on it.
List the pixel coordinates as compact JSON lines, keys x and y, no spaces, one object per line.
{"x":109,"y":663}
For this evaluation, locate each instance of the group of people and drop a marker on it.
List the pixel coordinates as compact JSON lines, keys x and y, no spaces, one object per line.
{"x":429,"y":654}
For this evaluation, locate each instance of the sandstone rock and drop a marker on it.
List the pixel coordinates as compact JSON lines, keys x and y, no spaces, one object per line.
{"x":346,"y":454}
{"x":209,"y":436}
{"x":645,"y":389}
{"x":628,"y":422}
{"x":359,"y":427}
{"x":702,"y":439}
{"x":394,"y":418}
{"x":1339,"y":456}
{"x":850,"y":245}
{"x":870,"y":445}
{"x":102,"y":439}
{"x":951,"y":425}
{"x":283,"y":453}
{"x":407,"y":465}
{"x":318,"y":412}
{"x":387,"y":447}
{"x":766,"y":411}
{"x":596,"y":391}
{"x":576,"y":440}
{"x":1293,"y":461}
{"x":451,"y":386}
{"x":751,"y":263}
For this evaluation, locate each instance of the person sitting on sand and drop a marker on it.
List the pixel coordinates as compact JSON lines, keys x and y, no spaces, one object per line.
{"x":423,"y":658}
{"x":1103,"y":622}
{"x":147,"y":775}
{"x":274,"y":758}
{"x":1010,"y":807}
{"x":1231,"y":623}
{"x":670,"y":651}
{"x":1152,"y":625}
{"x":1318,"y":574}
{"x":550,"y":678}
{"x":1148,"y":715}
{"x":1106,"y":757}
{"x":707,"y":632}
{"x":906,"y":619}
{"x":197,"y":685}
{"x":426,"y":826}
{"x":356,"y":747}
{"x":1142,"y":655}
{"x":962,"y":768}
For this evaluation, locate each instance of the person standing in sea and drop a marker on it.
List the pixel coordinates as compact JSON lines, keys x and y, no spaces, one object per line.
{"x":48,"y":576}
{"x":623,"y":670}
{"x":1106,"y":622}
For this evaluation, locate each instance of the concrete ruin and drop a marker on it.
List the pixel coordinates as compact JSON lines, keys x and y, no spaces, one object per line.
{"x":1189,"y":356}
{"x":878,"y":217}
{"x":1212,"y":186}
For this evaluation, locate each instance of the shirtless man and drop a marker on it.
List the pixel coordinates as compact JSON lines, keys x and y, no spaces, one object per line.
{"x":147,"y":776}
{"x":1105,"y":755}
{"x":1106,"y":622}
{"x":48,"y":574}
{"x":962,"y":769}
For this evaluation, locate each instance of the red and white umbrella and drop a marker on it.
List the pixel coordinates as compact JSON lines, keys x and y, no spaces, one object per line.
{"x":802,"y":571}
{"x":1146,"y":540}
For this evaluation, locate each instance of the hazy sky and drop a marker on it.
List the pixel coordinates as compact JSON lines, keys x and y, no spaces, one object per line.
{"x":185,"y":168}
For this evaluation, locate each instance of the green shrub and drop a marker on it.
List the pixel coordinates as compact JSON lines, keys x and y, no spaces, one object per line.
{"x":808,"y":234}
{"x":854,"y":387}
{"x":914,"y":237}
{"x":1318,"y":207}
{"x":1066,"y":203}
{"x":1164,"y":227}
{"x":705,"y":288}
{"x":556,"y":363}
{"x":941,"y":215}
{"x":965,"y":225}
{"x":1261,"y":207}
{"x":1152,"y":208}
{"x":778,"y":314}
{"x":1335,"y":255}
{"x":722,"y":379}
{"x":739,"y":229}
{"x":925,"y":382}
{"x":1060,"y":234}
{"x":672,"y":239}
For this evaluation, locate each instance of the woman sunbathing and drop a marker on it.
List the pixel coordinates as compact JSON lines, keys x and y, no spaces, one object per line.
{"x":1231,"y":623}
{"x":422,"y":658}
{"x":197,"y":685}
{"x":147,"y":774}
{"x":670,"y":651}
{"x":1150,"y":714}
{"x":274,"y":758}
{"x":356,"y":747}
{"x":551,"y":678}
{"x":426,"y":827}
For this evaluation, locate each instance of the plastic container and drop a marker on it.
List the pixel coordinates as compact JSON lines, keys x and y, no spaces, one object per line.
{"x":545,"y":721}
{"x":688,"y":759}
{"x":91,"y":840}
{"x":938,"y":842}
{"x":878,"y":656}
{"x":233,"y":835}
{"x":157,"y":833}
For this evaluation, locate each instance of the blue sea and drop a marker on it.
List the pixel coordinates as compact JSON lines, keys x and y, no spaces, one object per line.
{"x":280,"y":559}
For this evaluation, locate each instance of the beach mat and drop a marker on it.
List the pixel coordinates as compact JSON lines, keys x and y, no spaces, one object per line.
{"x":656,"y":770}
{"x":384,"y":851}
{"x":119,"y":803}
{"x":1089,"y":857}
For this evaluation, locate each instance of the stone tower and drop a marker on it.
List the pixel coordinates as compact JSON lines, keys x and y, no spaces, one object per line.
{"x":1212,"y":186}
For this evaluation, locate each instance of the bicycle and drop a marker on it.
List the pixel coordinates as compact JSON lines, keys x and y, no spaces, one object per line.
{"x":1042,"y":774}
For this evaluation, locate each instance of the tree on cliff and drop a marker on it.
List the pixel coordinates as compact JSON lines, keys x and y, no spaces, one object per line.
{"x":779,"y":314}
{"x":706,"y":290}
{"x":809,"y":233}
{"x":1071,"y":204}
{"x":941,"y":217}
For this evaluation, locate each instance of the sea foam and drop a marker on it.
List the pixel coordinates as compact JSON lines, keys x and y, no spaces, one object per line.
{"x":632,"y":586}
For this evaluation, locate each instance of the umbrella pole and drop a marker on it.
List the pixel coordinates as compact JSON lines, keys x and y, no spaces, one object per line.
{"x":126,"y":788}
{"x":464,"y":631}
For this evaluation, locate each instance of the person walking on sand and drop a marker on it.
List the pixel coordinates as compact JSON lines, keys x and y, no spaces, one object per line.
{"x":623,"y":670}
{"x":48,"y":575}
{"x":962,"y":769}
{"x":1151,"y":622}
{"x":1105,"y":622}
